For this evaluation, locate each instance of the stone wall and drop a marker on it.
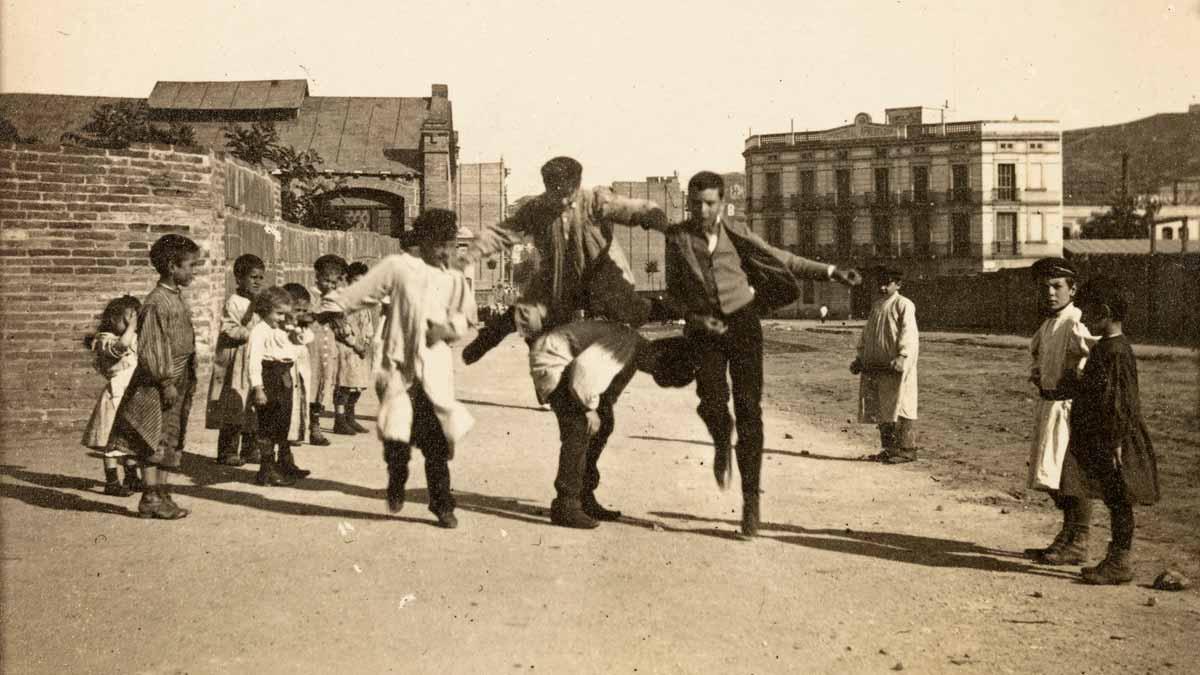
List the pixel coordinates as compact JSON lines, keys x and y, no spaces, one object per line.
{"x":76,"y":225}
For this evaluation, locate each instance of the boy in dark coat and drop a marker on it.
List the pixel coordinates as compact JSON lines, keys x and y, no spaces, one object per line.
{"x":1110,"y":455}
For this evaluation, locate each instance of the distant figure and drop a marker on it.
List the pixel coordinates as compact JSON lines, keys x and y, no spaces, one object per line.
{"x":887,"y":362}
{"x":1110,"y":454}
{"x":824,"y":313}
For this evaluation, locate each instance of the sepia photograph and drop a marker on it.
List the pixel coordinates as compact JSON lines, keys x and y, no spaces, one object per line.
{"x":623,"y":337}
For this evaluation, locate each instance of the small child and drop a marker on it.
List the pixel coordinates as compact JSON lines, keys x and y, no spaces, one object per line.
{"x":115,"y":345}
{"x":430,"y":306}
{"x":302,"y":372}
{"x":1110,"y":455}
{"x":271,"y":354}
{"x":152,"y":419}
{"x":331,"y":271}
{"x":229,"y":389}
{"x":887,"y":361}
{"x":354,"y":363}
{"x":1059,"y":349}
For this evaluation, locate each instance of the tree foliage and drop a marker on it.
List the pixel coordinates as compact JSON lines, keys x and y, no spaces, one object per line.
{"x":1128,"y":217}
{"x":117,"y":125}
{"x":10,"y":134}
{"x":304,"y":188}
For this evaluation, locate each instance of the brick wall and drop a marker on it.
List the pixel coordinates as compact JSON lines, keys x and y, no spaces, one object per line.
{"x":76,"y":225}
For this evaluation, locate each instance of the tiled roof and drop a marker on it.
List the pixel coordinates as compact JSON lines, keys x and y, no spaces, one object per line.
{"x":352,"y":134}
{"x":249,"y":95}
{"x":1125,"y":246}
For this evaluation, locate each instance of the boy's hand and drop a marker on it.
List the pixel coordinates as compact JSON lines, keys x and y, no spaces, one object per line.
{"x":170,"y":396}
{"x":593,"y":422}
{"x":700,"y":324}
{"x":898,"y":363}
{"x":260,"y":397}
{"x":856,"y":367}
{"x":437,"y":332}
{"x":846,"y":277}
{"x":130,"y":319}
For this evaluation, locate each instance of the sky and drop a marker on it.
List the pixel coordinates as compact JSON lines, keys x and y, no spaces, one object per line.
{"x":634,"y":89}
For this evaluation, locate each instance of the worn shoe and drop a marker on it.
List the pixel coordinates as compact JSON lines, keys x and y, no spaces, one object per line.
{"x":166,"y":497}
{"x":270,"y":475}
{"x":341,"y":426}
{"x":900,"y":456}
{"x":315,"y":437}
{"x":594,"y":510}
{"x":484,"y":342}
{"x":231,"y":460}
{"x":750,"y":517}
{"x":447,"y":520}
{"x":153,"y":505}
{"x":287,"y":465}
{"x":571,"y":515}
{"x":117,"y":489}
{"x":352,"y":421}
{"x":1073,"y":552}
{"x":1060,"y":540}
{"x":132,"y":482}
{"x":251,"y":455}
{"x":722,"y":466}
{"x":1113,"y":570}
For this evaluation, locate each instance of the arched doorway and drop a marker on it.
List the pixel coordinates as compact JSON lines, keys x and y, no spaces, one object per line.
{"x":369,"y":210}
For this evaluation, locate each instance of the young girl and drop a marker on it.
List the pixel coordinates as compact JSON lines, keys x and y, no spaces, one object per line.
{"x":115,"y":346}
{"x":229,"y":389}
{"x":271,"y":354}
{"x":354,"y":362}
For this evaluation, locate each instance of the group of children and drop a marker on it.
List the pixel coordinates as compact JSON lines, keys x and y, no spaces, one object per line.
{"x":1089,"y":439}
{"x":276,"y":360}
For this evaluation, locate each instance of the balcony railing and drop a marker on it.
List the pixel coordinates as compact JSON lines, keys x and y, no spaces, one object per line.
{"x":839,"y":200}
{"x":767,"y":203}
{"x":1006,"y":194}
{"x":917,"y":199}
{"x":1006,"y":249}
{"x":879,"y":200}
{"x":805,"y":202}
{"x":962,"y":195}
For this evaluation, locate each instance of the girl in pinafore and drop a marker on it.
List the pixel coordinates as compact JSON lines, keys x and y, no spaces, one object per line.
{"x":115,"y":346}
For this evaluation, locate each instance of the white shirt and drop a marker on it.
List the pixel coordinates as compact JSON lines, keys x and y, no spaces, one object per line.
{"x":268,"y":344}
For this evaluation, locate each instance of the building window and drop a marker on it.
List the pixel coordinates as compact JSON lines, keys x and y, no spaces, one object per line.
{"x":1037,"y":227}
{"x":806,"y":155}
{"x":881,"y":185}
{"x":1006,"y":182}
{"x":920,"y":186}
{"x":1035,"y":177}
{"x":1035,"y":146}
{"x":774,"y":191}
{"x":843,"y":154}
{"x":960,"y":234}
{"x":1168,"y":233}
{"x":810,"y":292}
{"x":881,"y":233}
{"x":845,"y":235}
{"x":842,"y":183}
{"x":1005,"y":236}
{"x":775,"y":232}
{"x":808,"y":184}
{"x":808,"y":237}
{"x":920,"y":225}
{"x":881,"y":152}
{"x":1006,"y":146}
{"x":960,"y":183}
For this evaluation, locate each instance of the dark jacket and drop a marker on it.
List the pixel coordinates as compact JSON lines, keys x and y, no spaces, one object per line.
{"x":773,"y":273}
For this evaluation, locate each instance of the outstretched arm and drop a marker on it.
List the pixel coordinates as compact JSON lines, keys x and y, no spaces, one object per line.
{"x":491,"y":239}
{"x":610,"y":207}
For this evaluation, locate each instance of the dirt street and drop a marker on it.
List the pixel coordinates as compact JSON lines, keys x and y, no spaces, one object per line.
{"x":860,"y":567}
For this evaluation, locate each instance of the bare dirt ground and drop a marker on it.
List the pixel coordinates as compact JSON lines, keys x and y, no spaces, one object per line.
{"x":860,"y":567}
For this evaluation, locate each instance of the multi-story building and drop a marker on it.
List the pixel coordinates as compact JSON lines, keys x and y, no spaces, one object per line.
{"x":482,"y":200}
{"x":644,"y":248}
{"x":932,"y":199}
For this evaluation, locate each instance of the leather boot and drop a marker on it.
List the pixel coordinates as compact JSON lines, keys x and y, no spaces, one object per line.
{"x":153,"y":505}
{"x":1073,"y":552}
{"x":315,"y":437}
{"x":251,"y":454}
{"x":351,"y":416}
{"x":1116,"y":568}
{"x":594,"y":510}
{"x":165,"y":493}
{"x":750,"y":516}
{"x":342,"y":426}
{"x":569,"y":513}
{"x":287,"y":464}
{"x":1060,"y":540}
{"x":492,"y":334}
{"x":268,"y":472}
{"x":723,"y":465}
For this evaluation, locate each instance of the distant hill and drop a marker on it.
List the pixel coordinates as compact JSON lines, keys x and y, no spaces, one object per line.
{"x":1161,"y":148}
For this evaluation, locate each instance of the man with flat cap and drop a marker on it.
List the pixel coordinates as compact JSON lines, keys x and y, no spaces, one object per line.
{"x":1059,"y":350}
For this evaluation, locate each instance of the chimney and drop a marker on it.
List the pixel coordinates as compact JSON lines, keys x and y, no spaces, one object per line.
{"x":441,"y":91}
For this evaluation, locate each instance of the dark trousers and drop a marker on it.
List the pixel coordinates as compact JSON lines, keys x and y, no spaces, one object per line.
{"x":228,"y":440}
{"x":898,"y":435}
{"x":738,"y":352}
{"x":427,"y":435}
{"x":1120,"y":507}
{"x":579,"y":454}
{"x":274,"y":419}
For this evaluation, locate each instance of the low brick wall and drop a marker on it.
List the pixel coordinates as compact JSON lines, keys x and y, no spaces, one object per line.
{"x":76,"y":225}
